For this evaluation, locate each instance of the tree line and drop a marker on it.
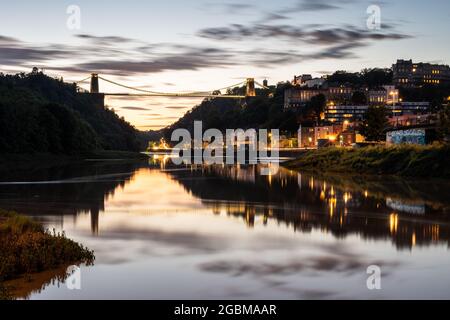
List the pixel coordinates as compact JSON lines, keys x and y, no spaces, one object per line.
{"x":39,"y":114}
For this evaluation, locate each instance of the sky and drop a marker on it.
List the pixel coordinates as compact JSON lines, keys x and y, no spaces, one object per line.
{"x":203,"y":45}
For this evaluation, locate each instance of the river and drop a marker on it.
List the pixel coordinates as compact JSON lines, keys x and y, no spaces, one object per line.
{"x":161,"y":231}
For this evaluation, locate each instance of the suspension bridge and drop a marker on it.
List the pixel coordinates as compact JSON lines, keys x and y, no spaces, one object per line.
{"x":94,"y":78}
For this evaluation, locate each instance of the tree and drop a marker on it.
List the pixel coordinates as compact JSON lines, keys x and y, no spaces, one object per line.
{"x":374,"y":124}
{"x":41,"y":114}
{"x":317,"y":104}
{"x":344,"y":77}
{"x":359,"y":98}
{"x":444,"y":124}
{"x":376,"y":77}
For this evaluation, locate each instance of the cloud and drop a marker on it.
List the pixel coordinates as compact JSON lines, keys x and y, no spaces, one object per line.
{"x":7,"y":40}
{"x":273,"y":16}
{"x":320,"y":35}
{"x":134,"y":108}
{"x":316,"y":5}
{"x":177,"y":108}
{"x":122,"y":56}
{"x":17,"y":55}
{"x":188,"y":59}
{"x":105,"y":40}
{"x":322,"y":41}
{"x":230,"y":8}
{"x":110,"y":55}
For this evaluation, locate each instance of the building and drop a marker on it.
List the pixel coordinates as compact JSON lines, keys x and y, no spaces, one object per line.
{"x":340,"y":114}
{"x":313,"y":137}
{"x":300,"y":80}
{"x":386,"y":95}
{"x":409,"y":74}
{"x":314,"y":83}
{"x":407,"y":120}
{"x":405,"y":108}
{"x":306,"y":137}
{"x":298,"y":96}
{"x":339,"y":94}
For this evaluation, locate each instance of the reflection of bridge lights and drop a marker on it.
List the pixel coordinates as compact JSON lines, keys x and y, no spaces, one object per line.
{"x":393,"y":222}
{"x":413,"y":239}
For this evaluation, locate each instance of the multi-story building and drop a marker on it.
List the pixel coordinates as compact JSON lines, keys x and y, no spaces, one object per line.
{"x":409,"y":74}
{"x":339,"y":94}
{"x":344,"y":113}
{"x":299,"y":96}
{"x":311,"y":137}
{"x":409,"y":108}
{"x":386,"y":95}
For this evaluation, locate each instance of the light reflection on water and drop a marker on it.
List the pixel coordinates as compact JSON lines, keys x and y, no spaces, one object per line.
{"x":207,"y":232}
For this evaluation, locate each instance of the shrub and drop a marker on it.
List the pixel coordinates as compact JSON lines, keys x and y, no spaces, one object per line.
{"x":25,"y":247}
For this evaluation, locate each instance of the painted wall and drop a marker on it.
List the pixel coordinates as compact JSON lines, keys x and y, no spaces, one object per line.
{"x":411,"y":136}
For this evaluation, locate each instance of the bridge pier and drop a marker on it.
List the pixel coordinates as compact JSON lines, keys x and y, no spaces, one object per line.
{"x":250,"y":92}
{"x":94,"y":83}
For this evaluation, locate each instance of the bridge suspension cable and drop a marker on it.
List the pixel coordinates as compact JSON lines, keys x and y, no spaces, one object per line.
{"x":261,"y":85}
{"x":84,"y":80}
{"x":156,"y":93}
{"x":250,"y":91}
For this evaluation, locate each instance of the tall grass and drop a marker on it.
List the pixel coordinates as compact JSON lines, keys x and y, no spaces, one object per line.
{"x":25,"y":247}
{"x":404,"y":160}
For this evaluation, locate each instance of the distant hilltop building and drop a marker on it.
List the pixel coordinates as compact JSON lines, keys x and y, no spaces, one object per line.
{"x":306,"y":80}
{"x":409,"y":74}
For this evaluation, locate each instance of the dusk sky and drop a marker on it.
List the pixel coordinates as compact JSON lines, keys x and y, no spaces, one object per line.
{"x":179,"y":45}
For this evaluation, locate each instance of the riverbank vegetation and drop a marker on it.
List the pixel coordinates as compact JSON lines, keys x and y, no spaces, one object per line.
{"x":26,"y":248}
{"x":404,"y":160}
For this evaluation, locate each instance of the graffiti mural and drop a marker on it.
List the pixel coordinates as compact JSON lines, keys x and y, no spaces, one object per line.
{"x":411,"y":136}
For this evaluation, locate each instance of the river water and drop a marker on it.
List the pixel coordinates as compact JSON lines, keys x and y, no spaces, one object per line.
{"x":161,"y":231}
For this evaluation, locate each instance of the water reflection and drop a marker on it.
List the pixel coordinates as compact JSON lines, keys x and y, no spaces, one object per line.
{"x":69,"y":190}
{"x":304,"y":202}
{"x":230,"y":232}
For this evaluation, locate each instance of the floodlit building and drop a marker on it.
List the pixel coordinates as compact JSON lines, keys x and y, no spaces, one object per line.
{"x":386,"y":95}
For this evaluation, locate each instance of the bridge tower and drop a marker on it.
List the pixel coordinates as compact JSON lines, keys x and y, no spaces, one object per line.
{"x":94,"y":83}
{"x":251,"y":92}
